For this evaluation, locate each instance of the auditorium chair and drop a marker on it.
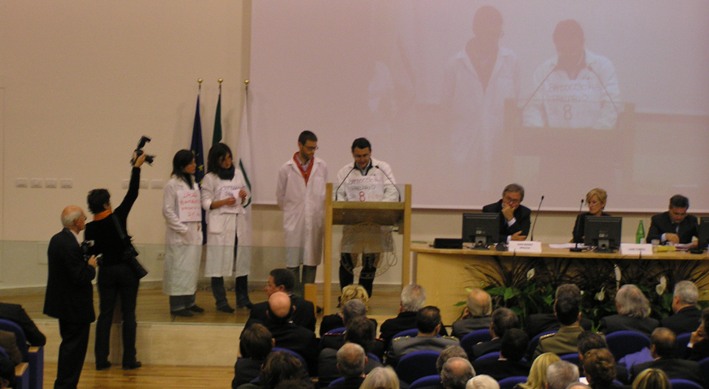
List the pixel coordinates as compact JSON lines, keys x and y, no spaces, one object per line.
{"x":410,"y":332}
{"x":704,"y":367}
{"x":571,"y":358}
{"x":681,"y":383}
{"x":474,"y":337}
{"x":534,"y":343}
{"x":681,"y":344}
{"x":426,"y":382}
{"x":415,"y":365}
{"x":33,"y":355}
{"x":510,"y":382}
{"x":494,"y":355}
{"x":22,"y":372}
{"x":336,"y":331}
{"x":624,"y":342}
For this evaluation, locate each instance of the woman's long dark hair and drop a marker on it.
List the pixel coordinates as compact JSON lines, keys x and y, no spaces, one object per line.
{"x":181,"y":159}
{"x":214,"y":161}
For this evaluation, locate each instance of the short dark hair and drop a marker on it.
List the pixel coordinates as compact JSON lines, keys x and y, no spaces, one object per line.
{"x":679,"y":201}
{"x":502,"y":320}
{"x":599,"y":365}
{"x":361,"y":143}
{"x":280,"y":366}
{"x":514,"y":188}
{"x":566,"y":306}
{"x":664,"y":341}
{"x":514,"y":344}
{"x":307,"y":136}
{"x":427,"y":318}
{"x":255,"y":342}
{"x":362,"y":331}
{"x":283,"y":277}
{"x":97,"y":199}
{"x":588,"y":340}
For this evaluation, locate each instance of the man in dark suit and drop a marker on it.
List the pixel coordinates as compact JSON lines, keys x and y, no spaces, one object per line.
{"x":633,"y":312}
{"x":687,"y":316}
{"x":662,"y":349}
{"x":15,"y":313}
{"x":503,"y":319}
{"x":516,"y":218}
{"x":69,"y":296}
{"x":511,"y":362}
{"x":282,"y":280}
{"x":674,"y":226}
{"x":412,"y":298}
{"x":286,"y":333}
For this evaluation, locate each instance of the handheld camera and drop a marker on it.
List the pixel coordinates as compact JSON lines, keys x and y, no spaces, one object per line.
{"x":139,"y":151}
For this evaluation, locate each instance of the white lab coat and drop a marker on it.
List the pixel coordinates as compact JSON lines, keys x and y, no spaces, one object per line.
{"x":367,"y":238}
{"x":183,"y":244}
{"x":222,"y":226}
{"x":303,"y":209}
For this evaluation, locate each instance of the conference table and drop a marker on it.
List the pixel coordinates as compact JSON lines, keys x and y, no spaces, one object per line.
{"x":446,"y":273}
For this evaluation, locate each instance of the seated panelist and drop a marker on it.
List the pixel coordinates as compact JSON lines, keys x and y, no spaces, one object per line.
{"x":596,"y":202}
{"x":515,"y":220}
{"x":676,"y":225}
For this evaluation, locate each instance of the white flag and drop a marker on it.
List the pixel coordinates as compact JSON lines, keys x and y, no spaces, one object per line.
{"x":243,"y":263}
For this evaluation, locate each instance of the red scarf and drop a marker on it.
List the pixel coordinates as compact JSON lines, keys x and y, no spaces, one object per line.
{"x":304,"y":172}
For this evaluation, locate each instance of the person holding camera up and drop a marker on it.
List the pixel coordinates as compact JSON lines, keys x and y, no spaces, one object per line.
{"x":183,"y":236}
{"x":117,"y":276}
{"x":224,"y":193}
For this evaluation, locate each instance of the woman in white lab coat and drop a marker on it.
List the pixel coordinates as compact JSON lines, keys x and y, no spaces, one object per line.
{"x":183,"y":235}
{"x":224,"y":193}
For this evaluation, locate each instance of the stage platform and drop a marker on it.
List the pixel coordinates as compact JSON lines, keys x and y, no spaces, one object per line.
{"x":208,"y":339}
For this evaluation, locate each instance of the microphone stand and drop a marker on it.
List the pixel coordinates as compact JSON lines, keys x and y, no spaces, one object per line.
{"x":535,"y":218}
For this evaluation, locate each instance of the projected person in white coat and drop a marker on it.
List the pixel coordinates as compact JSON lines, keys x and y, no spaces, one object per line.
{"x":367,"y":179}
{"x":300,"y":193}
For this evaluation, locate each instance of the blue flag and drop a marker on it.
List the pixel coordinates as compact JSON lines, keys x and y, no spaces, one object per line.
{"x":196,"y":145}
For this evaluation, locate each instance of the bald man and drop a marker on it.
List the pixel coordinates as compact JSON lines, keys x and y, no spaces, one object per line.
{"x":476,"y":315}
{"x":69,"y":295}
{"x":289,"y":335}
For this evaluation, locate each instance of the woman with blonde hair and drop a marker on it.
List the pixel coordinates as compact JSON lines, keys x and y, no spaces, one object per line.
{"x":381,"y":378}
{"x":652,"y":379}
{"x":596,"y":202}
{"x":336,"y":320}
{"x":537,"y":378}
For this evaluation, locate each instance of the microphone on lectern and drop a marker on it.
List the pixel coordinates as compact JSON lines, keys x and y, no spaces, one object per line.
{"x":392,"y":182}
{"x":343,"y":181}
{"x":539,"y":208}
{"x":576,"y":249}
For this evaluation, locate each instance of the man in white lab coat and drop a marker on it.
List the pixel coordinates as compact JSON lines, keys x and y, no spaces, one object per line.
{"x":300,"y":193}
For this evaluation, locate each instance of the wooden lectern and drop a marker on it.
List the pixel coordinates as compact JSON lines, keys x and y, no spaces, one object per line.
{"x":376,"y":212}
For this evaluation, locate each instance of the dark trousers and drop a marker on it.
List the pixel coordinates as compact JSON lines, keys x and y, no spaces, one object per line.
{"x":72,"y":352}
{"x":114,"y":281}
{"x":366,"y":276}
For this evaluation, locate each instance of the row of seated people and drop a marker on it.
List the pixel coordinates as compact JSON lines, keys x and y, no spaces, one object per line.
{"x":428,"y":321}
{"x":17,"y":333}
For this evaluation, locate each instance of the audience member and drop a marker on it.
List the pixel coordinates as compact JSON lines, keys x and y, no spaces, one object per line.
{"x":482,"y":381}
{"x":278,"y":367}
{"x":255,"y":344}
{"x":447,"y":353}
{"x":567,"y":311}
{"x":296,"y":383}
{"x":662,"y":349}
{"x":599,"y":366}
{"x":381,"y":378}
{"x":633,"y":312}
{"x":286,"y":333}
{"x":652,"y":379}
{"x":456,"y":373}
{"x":538,"y":372}
{"x":502,"y":320}
{"x":7,"y":373}
{"x":283,"y":280}
{"x":351,"y":310}
{"x":413,"y":297}
{"x":588,"y":340}
{"x":476,"y":314}
{"x":699,"y":341}
{"x":359,"y":331}
{"x":428,"y":323}
{"x":336,"y":320}
{"x":15,"y":313}
{"x":578,"y":385}
{"x":8,"y":342}
{"x":560,"y":374}
{"x":686,"y":315}
{"x":351,"y":361}
{"x":511,"y":361}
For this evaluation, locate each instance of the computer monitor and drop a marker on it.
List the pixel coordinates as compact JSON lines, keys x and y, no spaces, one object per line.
{"x":603,"y":233}
{"x":482,"y":229}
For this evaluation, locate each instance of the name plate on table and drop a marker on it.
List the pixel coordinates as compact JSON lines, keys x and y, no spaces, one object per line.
{"x":519,"y":246}
{"x":636,"y":249}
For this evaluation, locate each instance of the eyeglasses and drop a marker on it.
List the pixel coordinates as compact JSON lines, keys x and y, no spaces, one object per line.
{"x":311,"y":148}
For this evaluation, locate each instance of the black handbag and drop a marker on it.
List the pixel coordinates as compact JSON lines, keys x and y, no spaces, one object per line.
{"x":130,"y":254}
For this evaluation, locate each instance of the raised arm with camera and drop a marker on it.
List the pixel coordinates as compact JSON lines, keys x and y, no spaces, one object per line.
{"x":118,"y":276}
